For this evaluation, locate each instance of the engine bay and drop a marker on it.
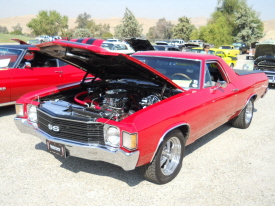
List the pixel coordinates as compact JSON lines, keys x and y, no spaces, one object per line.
{"x":112,"y":99}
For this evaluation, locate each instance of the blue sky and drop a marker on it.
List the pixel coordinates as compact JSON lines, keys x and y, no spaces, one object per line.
{"x":155,"y":9}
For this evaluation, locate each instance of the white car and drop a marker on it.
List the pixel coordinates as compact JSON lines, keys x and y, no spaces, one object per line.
{"x":113,"y":40}
{"x":118,"y":47}
{"x":43,"y":38}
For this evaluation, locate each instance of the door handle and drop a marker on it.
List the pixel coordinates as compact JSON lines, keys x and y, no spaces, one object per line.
{"x":234,"y":90}
{"x":58,"y":72}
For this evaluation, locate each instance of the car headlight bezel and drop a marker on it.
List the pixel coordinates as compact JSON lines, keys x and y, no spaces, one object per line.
{"x":112,"y":135}
{"x":32,"y":112}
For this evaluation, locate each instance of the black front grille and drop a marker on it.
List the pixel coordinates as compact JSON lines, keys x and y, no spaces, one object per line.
{"x":266,"y":66}
{"x":80,"y":131}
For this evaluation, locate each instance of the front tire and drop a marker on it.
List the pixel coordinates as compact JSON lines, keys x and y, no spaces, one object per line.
{"x":167,"y":161}
{"x":245,"y":117}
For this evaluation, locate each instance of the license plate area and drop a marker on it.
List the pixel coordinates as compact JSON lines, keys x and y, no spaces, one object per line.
{"x":56,"y":148}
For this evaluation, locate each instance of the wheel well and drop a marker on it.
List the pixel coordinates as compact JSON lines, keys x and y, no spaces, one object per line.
{"x":184,"y":130}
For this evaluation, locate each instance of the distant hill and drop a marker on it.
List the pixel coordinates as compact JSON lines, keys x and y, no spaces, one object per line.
{"x":113,"y":22}
{"x":269,"y":26}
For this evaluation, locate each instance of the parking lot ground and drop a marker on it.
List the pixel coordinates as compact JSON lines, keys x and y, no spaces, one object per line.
{"x":228,"y":166}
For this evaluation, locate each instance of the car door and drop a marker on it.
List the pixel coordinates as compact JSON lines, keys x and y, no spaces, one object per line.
{"x":5,"y":76}
{"x":219,"y":103}
{"x":42,"y":72}
{"x":69,"y":72}
{"x":8,"y":58}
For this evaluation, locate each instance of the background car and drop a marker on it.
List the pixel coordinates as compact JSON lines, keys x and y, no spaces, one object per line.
{"x":230,"y":50}
{"x":166,"y":48}
{"x":43,"y":38}
{"x":118,"y":47}
{"x":113,"y":40}
{"x":23,"y":69}
{"x":230,"y":60}
{"x":264,"y":59}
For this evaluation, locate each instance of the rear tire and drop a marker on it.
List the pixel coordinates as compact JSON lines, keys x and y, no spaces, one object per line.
{"x":245,"y":117}
{"x":167,"y":161}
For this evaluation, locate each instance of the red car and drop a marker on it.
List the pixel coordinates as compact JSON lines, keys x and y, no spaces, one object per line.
{"x":23,"y":69}
{"x":140,"y":110}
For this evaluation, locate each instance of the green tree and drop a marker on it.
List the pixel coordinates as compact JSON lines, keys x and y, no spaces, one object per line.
{"x":232,"y":20}
{"x":84,"y":21}
{"x":162,"y":30}
{"x":17,"y":29}
{"x":129,"y":27}
{"x":49,"y":23}
{"x":102,"y":29}
{"x":82,"y":33}
{"x":248,"y":26}
{"x":4,"y":30}
{"x":183,"y":29}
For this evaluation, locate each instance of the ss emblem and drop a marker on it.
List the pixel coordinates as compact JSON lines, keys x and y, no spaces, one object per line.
{"x":53,"y":128}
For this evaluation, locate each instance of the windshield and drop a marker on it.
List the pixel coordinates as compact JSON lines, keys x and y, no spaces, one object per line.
{"x":184,"y":72}
{"x":237,"y":44}
{"x":201,"y":51}
{"x":111,"y":46}
{"x":225,"y":47}
{"x":8,"y":57}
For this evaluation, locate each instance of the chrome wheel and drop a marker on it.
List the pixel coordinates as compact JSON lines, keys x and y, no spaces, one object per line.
{"x":170,"y":156}
{"x":248,"y":112}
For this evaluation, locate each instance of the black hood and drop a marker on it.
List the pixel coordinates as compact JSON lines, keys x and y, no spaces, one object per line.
{"x":103,"y":64}
{"x":140,"y":44}
{"x":265,"y":50}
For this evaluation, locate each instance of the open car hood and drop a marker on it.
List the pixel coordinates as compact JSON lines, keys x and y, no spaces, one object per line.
{"x":19,"y":41}
{"x":103,"y":64}
{"x":140,"y":44}
{"x":265,"y":49}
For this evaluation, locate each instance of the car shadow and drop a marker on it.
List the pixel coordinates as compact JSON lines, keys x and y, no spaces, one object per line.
{"x":99,"y":168}
{"x":133,"y":177}
{"x":7,"y":110}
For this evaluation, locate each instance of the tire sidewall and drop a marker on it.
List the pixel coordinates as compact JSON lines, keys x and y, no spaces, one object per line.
{"x":160,"y":176}
{"x":246,"y":125}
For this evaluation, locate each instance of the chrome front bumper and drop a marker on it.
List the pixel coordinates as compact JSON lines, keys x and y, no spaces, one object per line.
{"x":127,"y":161}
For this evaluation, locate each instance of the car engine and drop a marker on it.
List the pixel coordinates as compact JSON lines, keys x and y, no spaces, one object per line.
{"x":110,"y":101}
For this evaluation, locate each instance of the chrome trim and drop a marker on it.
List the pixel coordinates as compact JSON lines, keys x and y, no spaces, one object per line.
{"x":161,"y":139}
{"x":127,"y":161}
{"x":247,"y":103}
{"x":71,"y":120}
{"x":7,"y":104}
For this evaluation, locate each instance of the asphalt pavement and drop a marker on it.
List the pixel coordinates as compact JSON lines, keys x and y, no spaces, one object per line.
{"x":228,"y":166}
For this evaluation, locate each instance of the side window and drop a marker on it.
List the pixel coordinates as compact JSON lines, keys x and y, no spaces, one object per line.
{"x":61,"y":63}
{"x":213,"y":74}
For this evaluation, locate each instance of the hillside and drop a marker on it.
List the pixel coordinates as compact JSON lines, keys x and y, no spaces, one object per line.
{"x":113,"y":22}
{"x":269,"y":26}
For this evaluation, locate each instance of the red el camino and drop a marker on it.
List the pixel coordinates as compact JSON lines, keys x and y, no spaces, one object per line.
{"x":138,"y":111}
{"x":23,"y":69}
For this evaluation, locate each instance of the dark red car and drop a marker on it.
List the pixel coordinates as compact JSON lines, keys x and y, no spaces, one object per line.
{"x":23,"y":69}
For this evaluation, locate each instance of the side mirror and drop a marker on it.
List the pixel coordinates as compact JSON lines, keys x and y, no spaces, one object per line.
{"x":27,"y":65}
{"x":219,"y":84}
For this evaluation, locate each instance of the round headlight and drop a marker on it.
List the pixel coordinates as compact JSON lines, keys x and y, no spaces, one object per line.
{"x":112,"y":136}
{"x":32,"y":113}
